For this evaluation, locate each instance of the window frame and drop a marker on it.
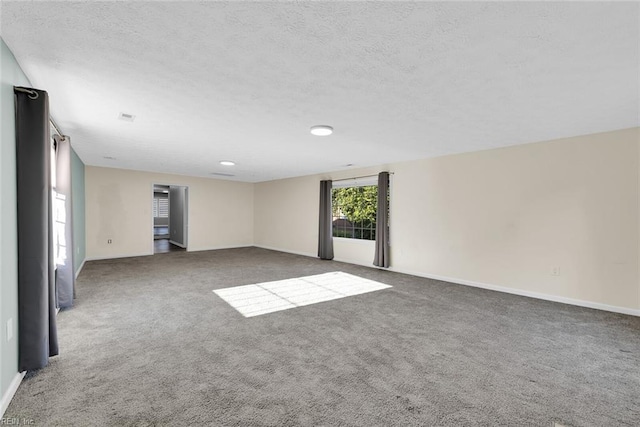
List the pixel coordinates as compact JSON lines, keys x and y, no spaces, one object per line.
{"x":371,"y":181}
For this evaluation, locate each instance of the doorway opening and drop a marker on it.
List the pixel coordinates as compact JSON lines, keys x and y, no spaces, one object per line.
{"x":170,"y":219}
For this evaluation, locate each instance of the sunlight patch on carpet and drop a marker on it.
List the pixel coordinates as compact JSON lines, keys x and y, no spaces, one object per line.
{"x":268,"y":297}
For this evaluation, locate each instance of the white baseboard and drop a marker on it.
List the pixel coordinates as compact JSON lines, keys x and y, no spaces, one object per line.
{"x":513,"y":291}
{"x":285,"y":251}
{"x":218,"y":248}
{"x":346,"y":261}
{"x":11,"y":391}
{"x":81,"y":267}
{"x":98,"y":258}
{"x":524,"y":293}
{"x":213,"y":248}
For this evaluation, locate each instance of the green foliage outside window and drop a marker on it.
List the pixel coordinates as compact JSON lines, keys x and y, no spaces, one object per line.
{"x":356,"y":205}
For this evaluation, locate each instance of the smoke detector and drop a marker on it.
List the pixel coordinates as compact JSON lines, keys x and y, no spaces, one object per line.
{"x":126,"y":117}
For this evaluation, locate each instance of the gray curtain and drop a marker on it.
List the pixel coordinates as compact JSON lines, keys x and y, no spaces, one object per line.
{"x":325,"y":233}
{"x":36,"y":282}
{"x":63,"y":218}
{"x":381,"y":258}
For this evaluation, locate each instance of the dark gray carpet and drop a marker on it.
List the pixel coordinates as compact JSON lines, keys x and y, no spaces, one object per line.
{"x":148,"y":343}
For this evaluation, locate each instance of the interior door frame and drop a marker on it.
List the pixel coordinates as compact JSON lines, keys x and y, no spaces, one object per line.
{"x":185,"y":214}
{"x":185,"y":219}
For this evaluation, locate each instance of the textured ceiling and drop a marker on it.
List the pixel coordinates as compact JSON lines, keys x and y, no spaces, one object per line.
{"x":211,"y":81}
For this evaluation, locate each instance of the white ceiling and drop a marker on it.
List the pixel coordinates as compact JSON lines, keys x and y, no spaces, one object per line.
{"x":211,"y":81}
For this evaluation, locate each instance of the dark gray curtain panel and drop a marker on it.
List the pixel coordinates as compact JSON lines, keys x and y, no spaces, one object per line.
{"x":63,"y":220}
{"x":381,"y":258}
{"x":325,"y":234}
{"x":37,"y":332}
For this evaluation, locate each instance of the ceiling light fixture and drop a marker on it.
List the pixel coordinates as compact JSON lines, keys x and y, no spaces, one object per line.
{"x":227,"y":163}
{"x":321,"y":130}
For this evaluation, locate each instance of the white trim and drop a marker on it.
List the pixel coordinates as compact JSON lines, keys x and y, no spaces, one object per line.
{"x":153,"y":238}
{"x":81,"y":267}
{"x":11,"y":391}
{"x":286,"y":251}
{"x":346,"y":261}
{"x":217,"y":248}
{"x":98,"y":258}
{"x":524,"y":293}
{"x":187,"y":214}
{"x":504,"y":289}
{"x":213,"y":248}
{"x":513,"y":291}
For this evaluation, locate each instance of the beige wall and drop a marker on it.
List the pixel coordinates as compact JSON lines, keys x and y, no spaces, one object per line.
{"x":286,"y":216}
{"x":506,"y":217}
{"x":503,"y":217}
{"x":119,"y":202}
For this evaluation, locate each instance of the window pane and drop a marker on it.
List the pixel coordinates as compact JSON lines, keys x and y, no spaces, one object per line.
{"x":160,"y":207}
{"x":163,"y":208}
{"x":354,"y":212}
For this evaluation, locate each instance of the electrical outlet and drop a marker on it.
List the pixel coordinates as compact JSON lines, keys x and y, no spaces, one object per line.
{"x":9,"y":329}
{"x":555,"y":271}
{"x":109,"y":241}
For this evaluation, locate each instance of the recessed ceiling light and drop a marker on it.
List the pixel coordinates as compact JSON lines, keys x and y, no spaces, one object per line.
{"x":227,"y":163}
{"x":321,"y":130}
{"x":126,"y":117}
{"x":109,"y":158}
{"x":222,"y":174}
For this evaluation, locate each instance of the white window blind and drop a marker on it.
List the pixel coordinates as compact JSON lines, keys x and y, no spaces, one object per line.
{"x":160,"y":207}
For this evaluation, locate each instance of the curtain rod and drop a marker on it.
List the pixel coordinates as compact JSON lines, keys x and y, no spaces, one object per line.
{"x":55,"y":126}
{"x":359,"y":177}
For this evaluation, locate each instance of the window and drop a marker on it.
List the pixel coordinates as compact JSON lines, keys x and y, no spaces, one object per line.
{"x":354,"y":204}
{"x":160,"y":207}
{"x":58,"y":213}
